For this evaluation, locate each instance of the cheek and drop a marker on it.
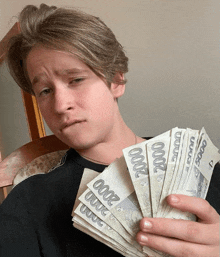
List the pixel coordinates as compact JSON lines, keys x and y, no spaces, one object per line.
{"x":42,"y":108}
{"x":102,"y":107}
{"x":46,"y":113}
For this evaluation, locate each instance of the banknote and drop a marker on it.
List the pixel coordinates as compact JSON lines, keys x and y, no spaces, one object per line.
{"x":207,"y":155}
{"x":179,"y":171}
{"x":192,"y":146}
{"x":177,"y":136}
{"x":157,"y":154}
{"x":87,"y":228}
{"x":87,"y":176}
{"x":111,"y":204}
{"x":136,"y":159}
{"x":89,"y":199}
{"x":80,"y":223}
{"x":114,"y":188}
{"x":99,"y":238}
{"x":114,"y":237}
{"x":120,"y":200}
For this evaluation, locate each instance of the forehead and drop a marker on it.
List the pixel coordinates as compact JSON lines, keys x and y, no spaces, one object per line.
{"x":42,"y":60}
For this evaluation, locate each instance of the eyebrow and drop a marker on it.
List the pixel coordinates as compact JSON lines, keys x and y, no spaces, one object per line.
{"x":37,"y":78}
{"x":71,"y":71}
{"x":74,"y":71}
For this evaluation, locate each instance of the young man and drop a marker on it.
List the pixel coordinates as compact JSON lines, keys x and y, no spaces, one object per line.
{"x":75,"y":67}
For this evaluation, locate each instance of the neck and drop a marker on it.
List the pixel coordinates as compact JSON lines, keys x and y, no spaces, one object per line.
{"x":107,"y":151}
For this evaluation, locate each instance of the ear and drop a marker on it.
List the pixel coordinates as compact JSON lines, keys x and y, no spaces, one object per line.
{"x":117,"y":89}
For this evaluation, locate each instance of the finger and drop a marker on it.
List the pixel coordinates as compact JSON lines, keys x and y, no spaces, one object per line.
{"x":176,"y":247}
{"x":182,"y":229}
{"x":200,"y":207}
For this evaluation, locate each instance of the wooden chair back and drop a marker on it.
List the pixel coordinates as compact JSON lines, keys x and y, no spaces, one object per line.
{"x":21,"y":157}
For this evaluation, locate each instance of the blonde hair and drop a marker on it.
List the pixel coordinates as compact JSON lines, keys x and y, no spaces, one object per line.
{"x":71,"y":30}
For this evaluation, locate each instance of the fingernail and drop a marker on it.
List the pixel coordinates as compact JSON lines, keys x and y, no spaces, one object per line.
{"x":144,"y":239}
{"x":174,"y":199}
{"x":147,"y":225}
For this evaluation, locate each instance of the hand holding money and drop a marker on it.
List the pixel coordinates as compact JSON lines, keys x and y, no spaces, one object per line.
{"x":137,"y":185}
{"x":182,"y":238}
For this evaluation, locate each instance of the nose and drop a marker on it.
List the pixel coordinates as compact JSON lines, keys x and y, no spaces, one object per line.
{"x":63,"y":100}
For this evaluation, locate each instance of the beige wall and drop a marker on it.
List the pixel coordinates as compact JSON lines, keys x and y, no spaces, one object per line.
{"x":173,"y":46}
{"x":13,"y":125}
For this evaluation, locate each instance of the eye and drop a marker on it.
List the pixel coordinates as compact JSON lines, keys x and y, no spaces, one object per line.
{"x":76,"y":80}
{"x":45,"y":91}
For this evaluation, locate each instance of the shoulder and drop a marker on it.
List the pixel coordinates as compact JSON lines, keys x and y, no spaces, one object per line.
{"x":49,"y":187}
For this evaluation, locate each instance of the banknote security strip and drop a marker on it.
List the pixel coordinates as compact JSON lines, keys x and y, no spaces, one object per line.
{"x":110,"y":205}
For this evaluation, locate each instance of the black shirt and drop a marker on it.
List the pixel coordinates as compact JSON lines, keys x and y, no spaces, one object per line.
{"x":35,"y":218}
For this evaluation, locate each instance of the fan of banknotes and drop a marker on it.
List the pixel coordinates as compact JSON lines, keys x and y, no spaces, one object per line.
{"x":110,"y":204}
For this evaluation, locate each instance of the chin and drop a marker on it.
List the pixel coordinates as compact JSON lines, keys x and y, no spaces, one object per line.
{"x":78,"y":143}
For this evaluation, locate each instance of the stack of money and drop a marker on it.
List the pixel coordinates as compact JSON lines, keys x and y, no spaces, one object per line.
{"x":111,"y":204}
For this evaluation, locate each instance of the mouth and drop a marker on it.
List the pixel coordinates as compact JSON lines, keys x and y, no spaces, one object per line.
{"x":71,"y":123}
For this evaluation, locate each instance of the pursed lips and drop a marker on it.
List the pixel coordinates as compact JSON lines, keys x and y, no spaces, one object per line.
{"x":70,"y":123}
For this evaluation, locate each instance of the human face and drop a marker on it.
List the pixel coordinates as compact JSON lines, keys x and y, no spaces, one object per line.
{"x":77,"y":105}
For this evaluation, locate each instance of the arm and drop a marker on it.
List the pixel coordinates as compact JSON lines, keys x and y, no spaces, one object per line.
{"x":182,"y":238}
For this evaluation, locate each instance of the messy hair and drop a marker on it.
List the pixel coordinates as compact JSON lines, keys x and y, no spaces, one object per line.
{"x":71,"y":30}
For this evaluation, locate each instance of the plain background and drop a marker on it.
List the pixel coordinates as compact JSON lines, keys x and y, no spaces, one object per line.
{"x":174,"y":67}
